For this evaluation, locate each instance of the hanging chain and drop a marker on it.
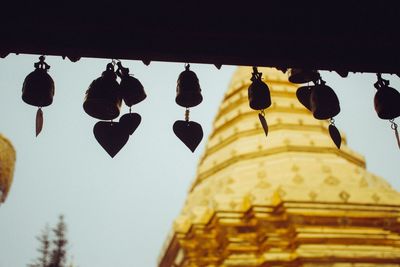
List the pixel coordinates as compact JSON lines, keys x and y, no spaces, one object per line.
{"x":262,"y":112}
{"x":332,"y":121}
{"x":115,"y":61}
{"x":396,"y":132}
{"x":187,"y":115}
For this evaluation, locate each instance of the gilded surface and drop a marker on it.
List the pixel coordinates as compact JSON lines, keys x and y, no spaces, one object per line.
{"x":7,"y":162}
{"x":291,"y":199}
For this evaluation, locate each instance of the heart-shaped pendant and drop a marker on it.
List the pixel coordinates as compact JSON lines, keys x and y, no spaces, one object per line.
{"x":129,"y":122}
{"x":189,"y":132}
{"x":110,"y":136}
{"x":303,"y":94}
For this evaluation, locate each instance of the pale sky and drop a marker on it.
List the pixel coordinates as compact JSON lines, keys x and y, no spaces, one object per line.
{"x":119,"y":211}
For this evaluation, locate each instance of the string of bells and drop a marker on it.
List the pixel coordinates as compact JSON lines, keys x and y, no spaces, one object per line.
{"x":104,"y":97}
{"x":103,"y":101}
{"x":322,"y":101}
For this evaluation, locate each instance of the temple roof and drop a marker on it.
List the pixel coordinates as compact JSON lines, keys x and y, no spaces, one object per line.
{"x":360,"y":37}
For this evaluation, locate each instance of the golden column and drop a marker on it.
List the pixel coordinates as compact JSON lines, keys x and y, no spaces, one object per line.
{"x":292,"y":199}
{"x":7,"y":163}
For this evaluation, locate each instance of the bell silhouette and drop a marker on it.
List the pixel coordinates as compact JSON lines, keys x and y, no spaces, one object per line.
{"x":38,"y":87}
{"x":131,"y":89}
{"x":303,"y":94}
{"x":324,"y":102}
{"x":258,"y":92}
{"x":303,"y":76}
{"x":103,"y":98}
{"x":386,"y":100}
{"x":188,"y":91}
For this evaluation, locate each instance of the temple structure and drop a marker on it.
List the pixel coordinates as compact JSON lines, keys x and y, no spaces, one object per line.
{"x":291,"y":199}
{"x":7,"y":163}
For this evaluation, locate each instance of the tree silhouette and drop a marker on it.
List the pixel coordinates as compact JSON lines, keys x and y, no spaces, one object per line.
{"x":52,"y":253}
{"x":44,"y":249}
{"x":59,"y":252}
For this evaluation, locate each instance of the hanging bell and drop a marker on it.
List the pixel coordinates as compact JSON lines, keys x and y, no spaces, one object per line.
{"x":103,"y":98}
{"x":324,"y":102}
{"x":131,"y":89}
{"x":258,"y":92}
{"x":188,"y":91}
{"x":38,"y":87}
{"x":386,"y":100}
{"x":303,"y":94}
{"x":303,"y":76}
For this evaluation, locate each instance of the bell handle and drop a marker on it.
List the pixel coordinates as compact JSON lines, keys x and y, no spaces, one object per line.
{"x":122,"y":71}
{"x":41,"y":64}
{"x":110,"y":66}
{"x":256,"y":75}
{"x":381,"y":82}
{"x":319,"y":81}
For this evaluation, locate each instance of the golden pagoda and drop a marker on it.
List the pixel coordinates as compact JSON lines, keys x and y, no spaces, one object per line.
{"x":291,"y":199}
{"x":7,"y":163}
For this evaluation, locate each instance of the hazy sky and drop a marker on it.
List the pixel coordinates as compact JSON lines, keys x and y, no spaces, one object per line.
{"x":119,"y":211}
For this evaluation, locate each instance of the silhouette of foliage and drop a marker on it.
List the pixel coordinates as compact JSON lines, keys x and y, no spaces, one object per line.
{"x":53,"y":253}
{"x":44,"y":249}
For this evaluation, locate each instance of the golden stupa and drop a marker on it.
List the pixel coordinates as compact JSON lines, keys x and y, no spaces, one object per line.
{"x":7,"y":163}
{"x":291,"y":199}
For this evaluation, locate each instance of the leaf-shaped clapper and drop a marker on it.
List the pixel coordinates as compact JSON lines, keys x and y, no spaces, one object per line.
{"x":39,"y":121}
{"x":263,"y":123}
{"x":189,"y":132}
{"x":335,"y":135}
{"x":397,"y":138}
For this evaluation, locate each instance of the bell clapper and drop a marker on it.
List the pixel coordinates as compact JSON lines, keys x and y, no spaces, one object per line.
{"x":334,"y":133}
{"x":396,"y":132}
{"x":263,"y":121}
{"x":39,"y":121}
